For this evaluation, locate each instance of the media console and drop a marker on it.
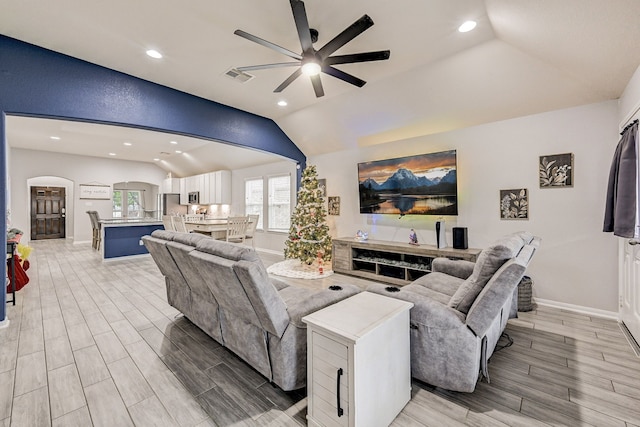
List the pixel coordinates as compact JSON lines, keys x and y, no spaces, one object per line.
{"x":391,"y":262}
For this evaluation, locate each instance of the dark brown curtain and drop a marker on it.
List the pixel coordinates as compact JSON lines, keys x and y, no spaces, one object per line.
{"x":620,"y":216}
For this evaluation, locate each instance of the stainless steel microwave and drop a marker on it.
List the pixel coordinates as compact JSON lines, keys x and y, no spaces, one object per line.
{"x":194,"y":198}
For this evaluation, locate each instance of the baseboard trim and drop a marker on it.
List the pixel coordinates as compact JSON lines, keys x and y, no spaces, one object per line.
{"x":632,"y":341}
{"x":578,"y":309}
{"x":269,"y":251}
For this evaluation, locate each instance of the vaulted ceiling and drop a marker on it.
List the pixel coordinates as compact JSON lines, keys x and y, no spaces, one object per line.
{"x":524,"y":57}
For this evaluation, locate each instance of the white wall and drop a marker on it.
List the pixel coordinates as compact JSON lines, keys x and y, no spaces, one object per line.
{"x":629,"y":102}
{"x":577,"y":262}
{"x":271,"y":241}
{"x":28,"y":164}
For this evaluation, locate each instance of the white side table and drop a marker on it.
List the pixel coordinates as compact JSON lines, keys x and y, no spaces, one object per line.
{"x":358,"y":361}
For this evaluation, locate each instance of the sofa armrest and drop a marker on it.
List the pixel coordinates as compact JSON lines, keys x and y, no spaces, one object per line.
{"x":312,"y":301}
{"x":458,"y":268}
{"x":426,"y":310}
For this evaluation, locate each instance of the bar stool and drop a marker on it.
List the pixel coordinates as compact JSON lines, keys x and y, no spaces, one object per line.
{"x":96,"y":229}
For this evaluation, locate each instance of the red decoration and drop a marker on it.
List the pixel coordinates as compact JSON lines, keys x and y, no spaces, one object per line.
{"x":21,"y":277}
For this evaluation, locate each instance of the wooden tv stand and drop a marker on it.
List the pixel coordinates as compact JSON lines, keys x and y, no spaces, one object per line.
{"x":391,"y":262}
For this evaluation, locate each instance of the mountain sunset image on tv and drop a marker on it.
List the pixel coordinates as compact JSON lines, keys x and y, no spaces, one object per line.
{"x":424,"y":184}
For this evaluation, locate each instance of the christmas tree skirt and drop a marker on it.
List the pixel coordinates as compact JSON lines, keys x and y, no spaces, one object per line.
{"x":296,"y":269}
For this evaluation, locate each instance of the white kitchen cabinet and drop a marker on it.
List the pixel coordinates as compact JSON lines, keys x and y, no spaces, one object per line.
{"x":217,"y":188}
{"x":171,"y":186}
{"x":222,"y":187}
{"x":184,"y":195}
{"x":214,"y":188}
{"x":358,"y":361}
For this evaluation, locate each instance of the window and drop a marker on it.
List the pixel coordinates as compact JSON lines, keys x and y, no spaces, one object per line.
{"x":253,"y":198}
{"x":275,"y":205}
{"x":117,"y":203}
{"x":133,"y":206}
{"x":279,"y":202}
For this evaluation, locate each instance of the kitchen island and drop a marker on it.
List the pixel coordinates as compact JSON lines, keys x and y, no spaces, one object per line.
{"x":122,"y":237}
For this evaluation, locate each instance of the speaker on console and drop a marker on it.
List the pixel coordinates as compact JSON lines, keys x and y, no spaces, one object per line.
{"x":460,"y":240}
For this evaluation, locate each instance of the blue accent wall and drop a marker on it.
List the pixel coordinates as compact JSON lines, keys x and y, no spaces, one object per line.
{"x":41,"y":83}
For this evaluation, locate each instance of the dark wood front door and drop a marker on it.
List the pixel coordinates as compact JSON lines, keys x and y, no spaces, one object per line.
{"x":47,"y":213}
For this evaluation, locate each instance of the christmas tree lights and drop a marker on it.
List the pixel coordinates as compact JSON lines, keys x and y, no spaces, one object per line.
{"x":309,"y":239}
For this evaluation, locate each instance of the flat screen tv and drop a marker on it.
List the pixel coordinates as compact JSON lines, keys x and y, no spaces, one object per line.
{"x":425,"y":184}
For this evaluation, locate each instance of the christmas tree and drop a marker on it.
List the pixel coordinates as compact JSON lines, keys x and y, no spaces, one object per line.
{"x":309,"y":238}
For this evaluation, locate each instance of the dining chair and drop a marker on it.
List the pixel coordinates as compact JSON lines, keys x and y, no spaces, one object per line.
{"x":251,"y":228}
{"x":179,"y":225}
{"x":167,"y":221}
{"x":237,"y":229}
{"x":194,"y":217}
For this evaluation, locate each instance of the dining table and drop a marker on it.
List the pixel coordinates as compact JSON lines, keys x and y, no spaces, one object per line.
{"x":216,"y":228}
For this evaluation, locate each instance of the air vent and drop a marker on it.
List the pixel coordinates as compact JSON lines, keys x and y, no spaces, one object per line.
{"x":239,"y":76}
{"x":164,"y":153}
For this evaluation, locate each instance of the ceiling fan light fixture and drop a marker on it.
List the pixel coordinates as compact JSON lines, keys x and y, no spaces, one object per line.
{"x":311,"y":68}
{"x":467,"y":26}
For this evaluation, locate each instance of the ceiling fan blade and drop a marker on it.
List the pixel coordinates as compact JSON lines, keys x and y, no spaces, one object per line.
{"x":343,"y":76}
{"x":270,"y":45}
{"x":289,"y":80}
{"x":380,"y":55}
{"x":317,"y":85}
{"x":302,"y":25}
{"x":267,"y":66}
{"x":351,"y":32}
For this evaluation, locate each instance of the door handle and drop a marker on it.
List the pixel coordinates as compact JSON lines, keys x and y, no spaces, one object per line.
{"x":340,"y":410}
{"x":633,"y":242}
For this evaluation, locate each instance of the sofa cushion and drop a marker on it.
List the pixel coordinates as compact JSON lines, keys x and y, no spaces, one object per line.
{"x":189,"y":239}
{"x":227,"y":250}
{"x":265,"y":300}
{"x":488,"y":262}
{"x":163,"y":234}
{"x":442,"y":283}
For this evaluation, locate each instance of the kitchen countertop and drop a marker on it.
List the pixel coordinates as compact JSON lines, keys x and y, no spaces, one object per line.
{"x":124,"y":222}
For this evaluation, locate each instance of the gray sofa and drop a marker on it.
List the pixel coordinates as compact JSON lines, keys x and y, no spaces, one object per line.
{"x":461,"y":309}
{"x":225,"y":290}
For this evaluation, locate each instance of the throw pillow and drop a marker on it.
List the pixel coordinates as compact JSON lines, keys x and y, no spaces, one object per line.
{"x":488,"y":262}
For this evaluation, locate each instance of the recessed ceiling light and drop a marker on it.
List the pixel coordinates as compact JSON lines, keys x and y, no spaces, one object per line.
{"x":178,"y":151}
{"x":156,"y":159}
{"x":282,"y":103}
{"x":467,"y":26}
{"x":56,"y":138}
{"x":128,"y":144}
{"x":173,"y":142}
{"x":112,"y":154}
{"x":154,"y":54}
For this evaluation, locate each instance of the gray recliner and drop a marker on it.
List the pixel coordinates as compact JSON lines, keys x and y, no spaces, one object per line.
{"x":461,"y":309}
{"x":234,"y":300}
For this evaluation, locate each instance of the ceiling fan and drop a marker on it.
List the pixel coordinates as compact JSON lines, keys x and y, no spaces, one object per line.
{"x":311,"y":61}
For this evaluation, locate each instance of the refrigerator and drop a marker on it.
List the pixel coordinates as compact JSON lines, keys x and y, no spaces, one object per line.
{"x":171,"y":205}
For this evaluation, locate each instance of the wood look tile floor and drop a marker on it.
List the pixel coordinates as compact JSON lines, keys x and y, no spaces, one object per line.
{"x":95,"y":343}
